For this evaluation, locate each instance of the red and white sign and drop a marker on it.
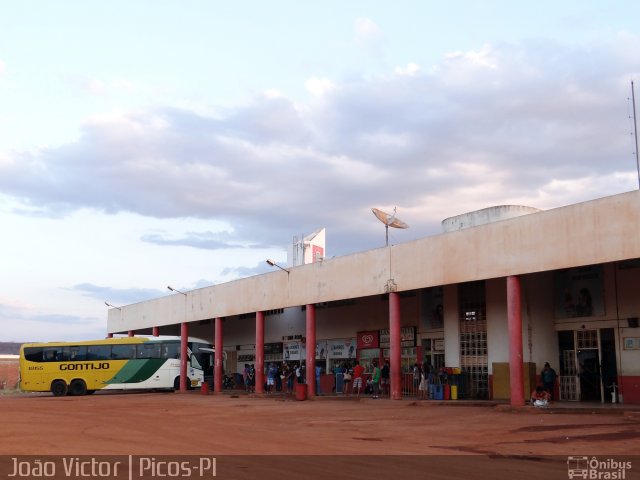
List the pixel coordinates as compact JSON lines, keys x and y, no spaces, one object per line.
{"x":368,"y":339}
{"x":317,"y":253}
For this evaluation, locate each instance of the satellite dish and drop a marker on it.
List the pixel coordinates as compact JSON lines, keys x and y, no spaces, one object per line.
{"x":389,"y":221}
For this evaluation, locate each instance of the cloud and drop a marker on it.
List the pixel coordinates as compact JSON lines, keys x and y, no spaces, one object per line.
{"x":241,"y":272}
{"x":367,"y":28}
{"x":16,"y":319}
{"x":410,"y":69}
{"x":535,"y":123}
{"x":201,"y":240}
{"x":98,"y":87}
{"x":117,"y":296}
{"x":368,"y":36}
{"x":319,"y":86}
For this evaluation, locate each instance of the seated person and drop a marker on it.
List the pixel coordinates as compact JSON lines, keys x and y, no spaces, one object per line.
{"x":540,"y":397}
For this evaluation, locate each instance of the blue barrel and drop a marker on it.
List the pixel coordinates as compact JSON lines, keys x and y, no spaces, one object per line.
{"x":438,"y":392}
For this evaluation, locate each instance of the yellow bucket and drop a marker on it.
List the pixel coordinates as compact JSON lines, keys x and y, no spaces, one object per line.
{"x":454,"y":392}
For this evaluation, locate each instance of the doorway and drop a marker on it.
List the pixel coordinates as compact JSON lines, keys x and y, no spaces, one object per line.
{"x":587,"y":364}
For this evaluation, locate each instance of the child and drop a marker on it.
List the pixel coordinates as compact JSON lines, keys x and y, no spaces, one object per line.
{"x":540,"y":398}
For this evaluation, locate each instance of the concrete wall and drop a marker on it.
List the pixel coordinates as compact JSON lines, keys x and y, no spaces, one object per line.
{"x":588,"y":233}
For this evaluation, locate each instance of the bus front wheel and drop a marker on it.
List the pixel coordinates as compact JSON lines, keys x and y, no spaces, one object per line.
{"x":77,"y":388}
{"x":176,"y":384}
{"x":59,"y":388}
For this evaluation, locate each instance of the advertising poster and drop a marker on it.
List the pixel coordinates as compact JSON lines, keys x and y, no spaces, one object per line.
{"x":579,"y":292}
{"x":294,"y":350}
{"x":432,"y":314}
{"x":321,"y":350}
{"x":342,"y":348}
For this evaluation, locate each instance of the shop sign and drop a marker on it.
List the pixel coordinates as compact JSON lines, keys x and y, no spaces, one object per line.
{"x":368,"y":339}
{"x":294,"y":350}
{"x":438,"y":345}
{"x":248,"y":358}
{"x":407,"y":337}
{"x":273,"y":348}
{"x":342,"y":348}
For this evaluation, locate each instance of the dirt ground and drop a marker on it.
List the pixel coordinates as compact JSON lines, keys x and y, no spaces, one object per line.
{"x":400,"y":439}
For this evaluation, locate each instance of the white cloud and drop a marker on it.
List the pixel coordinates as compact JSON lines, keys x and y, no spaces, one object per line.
{"x":369,"y":37}
{"x":483,"y":58}
{"x":367,"y":28}
{"x":495,"y":125}
{"x":102,"y":88}
{"x":319,"y":86}
{"x":409,"y":70}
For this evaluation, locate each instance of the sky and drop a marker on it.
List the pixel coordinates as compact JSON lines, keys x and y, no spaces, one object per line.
{"x":154,"y":143}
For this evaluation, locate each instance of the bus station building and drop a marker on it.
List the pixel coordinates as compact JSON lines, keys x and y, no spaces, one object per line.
{"x":495,"y":296}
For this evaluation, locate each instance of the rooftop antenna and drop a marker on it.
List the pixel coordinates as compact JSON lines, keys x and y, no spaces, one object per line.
{"x":635,"y":130}
{"x":389,"y":221}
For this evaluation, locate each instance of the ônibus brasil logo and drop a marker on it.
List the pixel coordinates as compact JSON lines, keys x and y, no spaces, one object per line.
{"x":594,"y":468}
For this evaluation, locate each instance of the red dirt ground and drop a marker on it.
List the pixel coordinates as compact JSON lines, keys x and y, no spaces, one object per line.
{"x":9,"y":369}
{"x":219,"y":425}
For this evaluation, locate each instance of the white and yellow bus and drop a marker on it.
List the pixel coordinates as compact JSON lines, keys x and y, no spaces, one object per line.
{"x":129,"y":363}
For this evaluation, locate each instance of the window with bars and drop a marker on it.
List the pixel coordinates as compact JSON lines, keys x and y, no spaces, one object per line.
{"x":587,"y":339}
{"x":472,"y":310}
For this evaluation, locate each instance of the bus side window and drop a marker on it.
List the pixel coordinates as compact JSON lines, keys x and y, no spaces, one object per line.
{"x":148,"y":350}
{"x":123,"y":352}
{"x":170,"y":350}
{"x":73,"y":353}
{"x":34,"y":354}
{"x":98,"y":352}
{"x":51,"y":354}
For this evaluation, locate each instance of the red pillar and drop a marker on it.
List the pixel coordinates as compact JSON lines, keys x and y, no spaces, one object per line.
{"x":259,"y":352}
{"x":130,"y":333}
{"x":155,"y":331}
{"x":218,"y":371}
{"x":514,"y":319}
{"x":395,"y":363}
{"x":109,"y":335}
{"x":311,"y":350}
{"x":184,"y":338}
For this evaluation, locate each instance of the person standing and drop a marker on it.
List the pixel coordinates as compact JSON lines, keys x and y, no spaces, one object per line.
{"x":384,"y":379}
{"x":287,"y":377}
{"x":346,"y":379}
{"x":272,"y":371}
{"x":245,"y":377}
{"x":298,"y":370}
{"x":548,"y":376}
{"x":318,"y":371}
{"x":252,"y":378}
{"x":375,"y":379}
{"x":423,"y":388}
{"x":416,"y":377}
{"x":358,"y":370}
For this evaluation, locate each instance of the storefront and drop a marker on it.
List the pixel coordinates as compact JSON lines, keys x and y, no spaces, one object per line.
{"x":294,"y":351}
{"x":408,"y":352}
